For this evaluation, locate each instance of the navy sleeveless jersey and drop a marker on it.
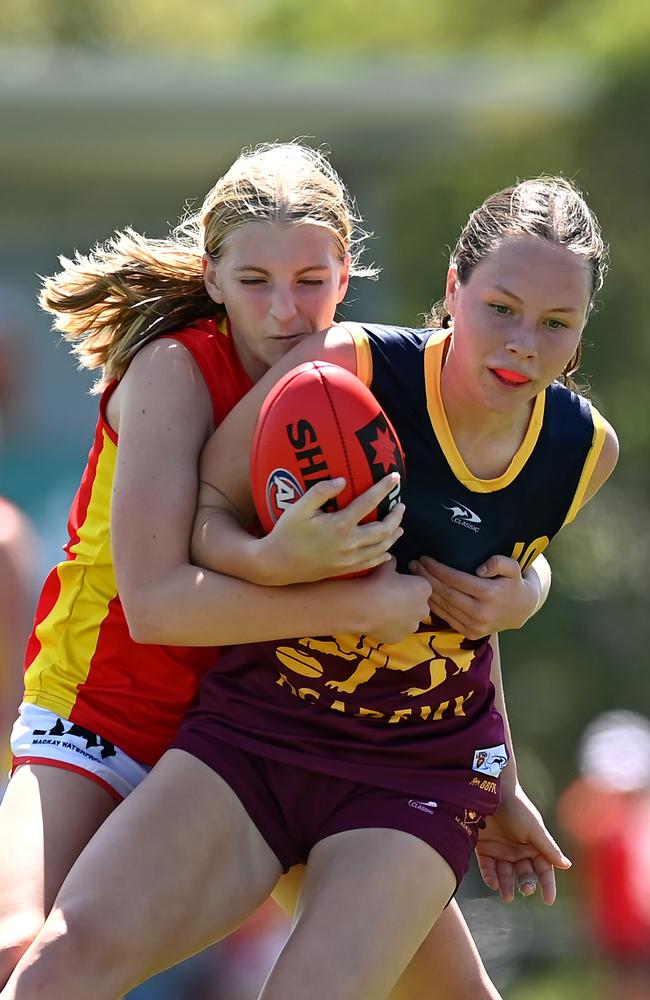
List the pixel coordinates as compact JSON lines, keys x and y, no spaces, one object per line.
{"x":417,"y":716}
{"x":451,"y":514}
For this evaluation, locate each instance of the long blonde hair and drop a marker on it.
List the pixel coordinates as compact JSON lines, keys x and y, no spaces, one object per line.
{"x":114,"y":300}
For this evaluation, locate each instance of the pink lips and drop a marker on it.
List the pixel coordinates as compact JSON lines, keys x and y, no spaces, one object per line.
{"x":514,"y":378}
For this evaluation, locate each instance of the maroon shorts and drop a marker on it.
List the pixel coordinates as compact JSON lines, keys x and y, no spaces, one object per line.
{"x":294,"y":808}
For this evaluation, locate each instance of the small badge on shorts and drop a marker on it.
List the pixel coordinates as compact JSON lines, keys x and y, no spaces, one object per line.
{"x":471,"y":822}
{"x":491,"y":760}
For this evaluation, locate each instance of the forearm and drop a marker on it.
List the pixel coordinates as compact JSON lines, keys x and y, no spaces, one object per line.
{"x":222,"y":544}
{"x":509,"y":778}
{"x":193,"y":607}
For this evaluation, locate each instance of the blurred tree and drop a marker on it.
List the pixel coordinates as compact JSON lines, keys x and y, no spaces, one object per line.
{"x":593,"y":27}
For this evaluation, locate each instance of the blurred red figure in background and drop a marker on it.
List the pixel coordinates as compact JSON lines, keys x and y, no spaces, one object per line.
{"x":18,"y":563}
{"x":19,"y":549}
{"x":607,"y":812}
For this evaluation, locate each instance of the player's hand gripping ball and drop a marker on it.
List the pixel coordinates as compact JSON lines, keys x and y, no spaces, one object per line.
{"x":320,"y":422}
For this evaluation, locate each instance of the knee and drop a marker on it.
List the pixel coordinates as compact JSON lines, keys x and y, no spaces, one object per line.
{"x":69,"y":957}
{"x":17,"y":932}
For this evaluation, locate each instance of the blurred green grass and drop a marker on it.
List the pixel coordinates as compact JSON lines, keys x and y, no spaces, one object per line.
{"x":566,"y":980}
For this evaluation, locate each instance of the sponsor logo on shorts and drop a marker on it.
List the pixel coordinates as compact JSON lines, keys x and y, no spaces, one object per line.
{"x":491,"y":760}
{"x":484,"y":785}
{"x":61,"y":728}
{"x":425,"y":807}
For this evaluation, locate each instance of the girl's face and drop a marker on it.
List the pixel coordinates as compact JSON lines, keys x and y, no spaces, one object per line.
{"x":278,"y":283}
{"x":517,"y":321}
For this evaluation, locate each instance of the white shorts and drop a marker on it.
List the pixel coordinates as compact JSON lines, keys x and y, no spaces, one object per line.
{"x":42,"y":737}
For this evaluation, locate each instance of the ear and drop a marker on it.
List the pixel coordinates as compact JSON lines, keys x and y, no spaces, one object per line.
{"x":344,"y":278}
{"x":211,"y":278}
{"x":451,"y":289}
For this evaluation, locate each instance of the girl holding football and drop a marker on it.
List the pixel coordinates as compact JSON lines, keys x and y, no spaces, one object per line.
{"x":181,"y":329}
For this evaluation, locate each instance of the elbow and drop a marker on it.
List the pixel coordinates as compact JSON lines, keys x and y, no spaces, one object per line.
{"x":143,"y":622}
{"x":142,"y":635}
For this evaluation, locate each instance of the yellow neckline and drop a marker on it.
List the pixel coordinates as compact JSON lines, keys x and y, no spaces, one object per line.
{"x":432,"y":369}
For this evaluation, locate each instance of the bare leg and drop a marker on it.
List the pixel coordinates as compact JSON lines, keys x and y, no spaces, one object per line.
{"x":179,"y":865}
{"x":368,"y":900}
{"x":47,"y":816}
{"x":446,"y":966}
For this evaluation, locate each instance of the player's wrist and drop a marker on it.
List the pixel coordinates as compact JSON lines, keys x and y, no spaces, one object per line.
{"x":509,"y":783}
{"x":528,"y":602}
{"x":267,"y":562}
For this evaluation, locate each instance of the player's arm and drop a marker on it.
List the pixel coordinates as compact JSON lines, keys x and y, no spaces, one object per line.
{"x":515,"y":845}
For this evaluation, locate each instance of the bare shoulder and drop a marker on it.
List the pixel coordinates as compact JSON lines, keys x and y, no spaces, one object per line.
{"x":162,"y":375}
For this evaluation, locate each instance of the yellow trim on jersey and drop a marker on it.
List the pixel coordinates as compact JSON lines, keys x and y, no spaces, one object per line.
{"x":363,"y":351}
{"x":598,"y":440}
{"x":432,"y":368}
{"x":68,"y":635}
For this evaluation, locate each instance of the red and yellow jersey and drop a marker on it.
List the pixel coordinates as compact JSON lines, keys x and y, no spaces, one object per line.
{"x":81,"y":662}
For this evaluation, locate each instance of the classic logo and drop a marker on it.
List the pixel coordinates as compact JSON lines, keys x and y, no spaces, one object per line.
{"x":490,"y":760}
{"x":425,"y":807}
{"x":463,"y":515}
{"x":282,"y":489}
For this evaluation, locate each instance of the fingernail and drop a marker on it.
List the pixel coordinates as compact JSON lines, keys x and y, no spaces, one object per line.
{"x":481,"y":570}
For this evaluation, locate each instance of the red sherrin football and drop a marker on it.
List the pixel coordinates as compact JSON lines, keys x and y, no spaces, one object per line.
{"x":319,"y":422}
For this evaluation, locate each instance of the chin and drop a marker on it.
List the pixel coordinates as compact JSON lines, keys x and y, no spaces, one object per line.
{"x":496,"y":403}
